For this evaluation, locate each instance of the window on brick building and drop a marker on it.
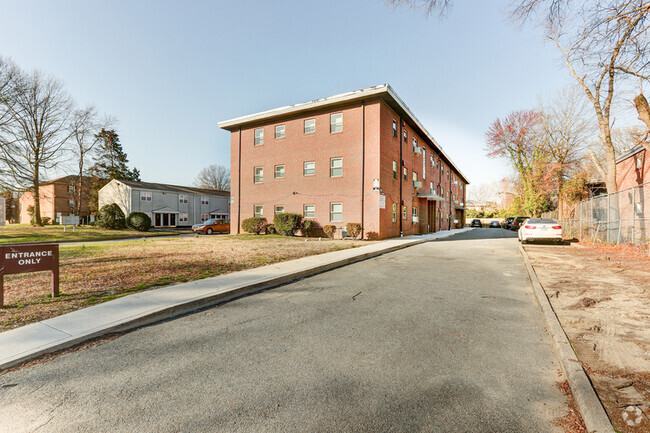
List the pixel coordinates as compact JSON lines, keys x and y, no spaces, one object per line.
{"x":336,"y":167}
{"x":258,"y":211}
{"x":279,"y":171}
{"x":279,"y":131}
{"x":336,"y":122}
{"x":309,"y":211}
{"x":310,"y":126}
{"x":394,"y":128}
{"x":259,"y":137}
{"x":259,"y":175}
{"x":404,"y":212}
{"x":415,"y":143}
{"x":433,"y":191}
{"x":278,"y":209}
{"x":394,"y":212}
{"x":336,"y":212}
{"x":309,"y":168}
{"x":394,"y":170}
{"x":405,"y":135}
{"x":405,"y":173}
{"x":71,"y":189}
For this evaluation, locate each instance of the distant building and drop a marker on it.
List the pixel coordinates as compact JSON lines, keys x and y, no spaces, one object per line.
{"x":632,"y":168}
{"x":57,"y":196}
{"x":359,"y":157}
{"x":167,"y":205}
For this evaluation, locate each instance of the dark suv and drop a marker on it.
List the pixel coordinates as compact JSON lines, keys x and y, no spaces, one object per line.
{"x":517,"y":222}
{"x":508,"y":222}
{"x":476,"y":223}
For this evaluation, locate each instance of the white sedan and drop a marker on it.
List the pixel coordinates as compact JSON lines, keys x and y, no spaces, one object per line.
{"x":540,"y":229}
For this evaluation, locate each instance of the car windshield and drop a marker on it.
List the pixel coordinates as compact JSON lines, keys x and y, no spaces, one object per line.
{"x":521,"y":219}
{"x":208,"y":222}
{"x":541,"y":221}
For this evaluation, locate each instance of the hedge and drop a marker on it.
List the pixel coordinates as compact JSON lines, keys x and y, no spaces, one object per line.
{"x":111,"y":216}
{"x":139,"y":221}
{"x":329,"y":230}
{"x":287,"y":223}
{"x":254,"y":225}
{"x":353,"y":229}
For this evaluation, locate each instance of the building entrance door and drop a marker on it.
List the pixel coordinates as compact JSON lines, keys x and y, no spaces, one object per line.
{"x":164,"y":220}
{"x":431,"y":208}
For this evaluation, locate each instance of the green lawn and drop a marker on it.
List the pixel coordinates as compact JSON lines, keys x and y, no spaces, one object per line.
{"x":21,"y":233}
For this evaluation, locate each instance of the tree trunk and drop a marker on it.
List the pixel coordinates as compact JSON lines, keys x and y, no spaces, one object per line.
{"x":37,"y":199}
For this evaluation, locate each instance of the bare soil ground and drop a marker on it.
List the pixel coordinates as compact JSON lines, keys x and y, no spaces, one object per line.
{"x":94,"y":273}
{"x":601,"y":295}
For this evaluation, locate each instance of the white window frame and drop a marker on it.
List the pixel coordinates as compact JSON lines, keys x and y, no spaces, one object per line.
{"x":394,"y":128}
{"x":333,"y":214}
{"x":336,"y":123}
{"x":395,"y":173}
{"x":278,"y":208}
{"x":424,"y":163}
{"x":182,"y":218}
{"x":280,"y":132}
{"x":304,"y":168}
{"x":259,"y":176}
{"x":258,"y":140}
{"x":404,"y":212}
{"x":333,"y":167}
{"x":258,"y":211}
{"x":205,"y":217}
{"x":311,"y":128}
{"x":405,"y":173}
{"x":145,"y":196}
{"x":275,"y":171}
{"x":182,"y":198}
{"x":205,"y":200}
{"x":394,"y":212}
{"x":309,"y":213}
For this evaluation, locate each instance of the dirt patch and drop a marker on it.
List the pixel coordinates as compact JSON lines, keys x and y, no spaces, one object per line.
{"x":91,"y":274}
{"x":601,"y":295}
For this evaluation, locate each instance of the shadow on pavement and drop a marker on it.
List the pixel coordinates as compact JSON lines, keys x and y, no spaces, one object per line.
{"x":482,"y":233}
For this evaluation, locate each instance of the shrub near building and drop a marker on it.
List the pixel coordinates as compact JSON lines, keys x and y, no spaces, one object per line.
{"x":111,"y":217}
{"x":254,"y":225}
{"x":287,"y":223}
{"x":139,"y":221}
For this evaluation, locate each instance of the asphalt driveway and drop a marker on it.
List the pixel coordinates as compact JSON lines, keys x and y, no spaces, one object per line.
{"x":440,"y":337}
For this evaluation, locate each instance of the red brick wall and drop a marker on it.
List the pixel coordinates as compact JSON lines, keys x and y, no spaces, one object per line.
{"x":627,"y":173}
{"x":54,"y":198}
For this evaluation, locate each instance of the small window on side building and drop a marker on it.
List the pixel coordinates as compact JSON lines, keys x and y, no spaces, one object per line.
{"x":336,"y":122}
{"x":279,"y":131}
{"x":310,"y":126}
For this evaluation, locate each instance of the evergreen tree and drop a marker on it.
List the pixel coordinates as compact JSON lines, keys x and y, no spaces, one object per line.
{"x":110,"y":162}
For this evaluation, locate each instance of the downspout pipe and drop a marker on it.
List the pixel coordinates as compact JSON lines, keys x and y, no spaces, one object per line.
{"x":401,"y":177}
{"x":239,"y":183}
{"x":363,"y":163}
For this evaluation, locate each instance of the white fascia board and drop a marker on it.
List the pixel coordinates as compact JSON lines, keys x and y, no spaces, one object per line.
{"x":317,"y":103}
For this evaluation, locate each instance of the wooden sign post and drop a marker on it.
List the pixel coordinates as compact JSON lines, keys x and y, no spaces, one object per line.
{"x":19,"y":259}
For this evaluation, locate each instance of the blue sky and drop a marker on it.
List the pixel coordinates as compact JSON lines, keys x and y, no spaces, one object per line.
{"x":170,"y":70}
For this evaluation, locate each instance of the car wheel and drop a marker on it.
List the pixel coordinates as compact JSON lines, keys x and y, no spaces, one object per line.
{"x":209,"y":231}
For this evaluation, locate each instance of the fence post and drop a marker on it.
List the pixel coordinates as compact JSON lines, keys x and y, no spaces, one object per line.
{"x":609,"y":206}
{"x":580,"y":222}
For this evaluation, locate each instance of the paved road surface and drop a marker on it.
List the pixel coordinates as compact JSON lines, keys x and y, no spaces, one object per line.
{"x":440,"y":337}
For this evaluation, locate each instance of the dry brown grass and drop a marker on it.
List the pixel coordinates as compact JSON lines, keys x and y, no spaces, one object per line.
{"x":92,"y":274}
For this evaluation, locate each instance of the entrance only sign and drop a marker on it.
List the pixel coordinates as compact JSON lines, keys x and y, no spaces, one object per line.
{"x":19,"y":259}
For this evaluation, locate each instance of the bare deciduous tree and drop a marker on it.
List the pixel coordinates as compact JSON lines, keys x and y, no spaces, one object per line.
{"x":566,"y":130}
{"x":84,"y":126}
{"x":35,"y":131}
{"x":214,"y":177}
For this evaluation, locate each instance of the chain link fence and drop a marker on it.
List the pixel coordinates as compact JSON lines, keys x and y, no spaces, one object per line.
{"x":622,"y":217}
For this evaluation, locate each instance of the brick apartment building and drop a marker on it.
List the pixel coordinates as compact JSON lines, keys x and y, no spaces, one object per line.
{"x":632,"y":168}
{"x":359,"y":157}
{"x":56,"y":196}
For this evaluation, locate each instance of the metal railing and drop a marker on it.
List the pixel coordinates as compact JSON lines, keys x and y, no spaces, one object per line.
{"x":621,"y":217}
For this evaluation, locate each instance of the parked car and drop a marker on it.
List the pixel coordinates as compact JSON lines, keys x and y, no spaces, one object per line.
{"x":212,"y":226}
{"x":476,"y":223}
{"x":495,"y":224}
{"x":540,"y":229}
{"x":516,"y":223}
{"x":507,"y":223}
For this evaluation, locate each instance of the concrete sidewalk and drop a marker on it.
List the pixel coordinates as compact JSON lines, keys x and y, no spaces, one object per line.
{"x":29,"y":342}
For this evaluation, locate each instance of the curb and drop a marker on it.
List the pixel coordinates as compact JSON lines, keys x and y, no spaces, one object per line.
{"x":588,"y":403}
{"x":171,"y":310}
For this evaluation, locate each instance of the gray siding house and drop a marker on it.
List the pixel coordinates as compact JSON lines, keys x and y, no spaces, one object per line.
{"x":167,"y":205}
